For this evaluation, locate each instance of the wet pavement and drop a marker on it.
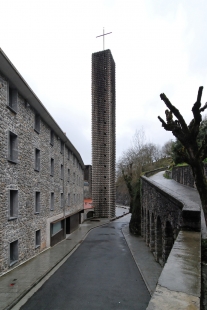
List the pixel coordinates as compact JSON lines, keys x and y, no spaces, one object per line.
{"x":18,"y":285}
{"x":100,"y":274}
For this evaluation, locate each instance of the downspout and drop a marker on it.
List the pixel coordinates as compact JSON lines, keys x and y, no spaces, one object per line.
{"x":64,"y":199}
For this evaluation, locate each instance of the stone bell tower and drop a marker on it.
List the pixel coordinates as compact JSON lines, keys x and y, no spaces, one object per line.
{"x":103,"y":134}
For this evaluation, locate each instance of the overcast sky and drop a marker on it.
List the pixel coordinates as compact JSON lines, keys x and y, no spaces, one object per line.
{"x":158,"y":46}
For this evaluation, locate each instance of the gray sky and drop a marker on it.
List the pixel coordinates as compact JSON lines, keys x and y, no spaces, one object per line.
{"x":158,"y":46}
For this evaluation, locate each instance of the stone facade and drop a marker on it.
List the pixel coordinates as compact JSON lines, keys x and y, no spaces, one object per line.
{"x":103,"y":134}
{"x":88,"y":181}
{"x":41,"y":187}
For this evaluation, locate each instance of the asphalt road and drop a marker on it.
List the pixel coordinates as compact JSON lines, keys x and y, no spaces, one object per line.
{"x":100,"y":274}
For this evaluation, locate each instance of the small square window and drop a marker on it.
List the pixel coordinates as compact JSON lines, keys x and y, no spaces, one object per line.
{"x":37,"y":202}
{"x":52,"y":202}
{"x":61,"y":200}
{"x":52,"y":137}
{"x":13,"y":203}
{"x":52,"y":167}
{"x":61,"y":172}
{"x":37,"y":239}
{"x":12,"y":99}
{"x":12,"y":147}
{"x":13,"y":252}
{"x":37,"y":123}
{"x":37,"y":160}
{"x":61,"y":147}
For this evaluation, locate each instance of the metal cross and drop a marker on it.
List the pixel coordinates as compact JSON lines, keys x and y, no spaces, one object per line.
{"x":102,"y":35}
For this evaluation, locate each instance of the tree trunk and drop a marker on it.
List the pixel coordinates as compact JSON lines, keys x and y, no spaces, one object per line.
{"x":201,"y":184}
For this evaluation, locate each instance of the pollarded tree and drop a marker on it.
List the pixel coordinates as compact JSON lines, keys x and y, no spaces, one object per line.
{"x":192,"y":152}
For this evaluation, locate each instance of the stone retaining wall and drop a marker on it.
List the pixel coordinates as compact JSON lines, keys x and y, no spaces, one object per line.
{"x":184,"y":175}
{"x":165,"y":219}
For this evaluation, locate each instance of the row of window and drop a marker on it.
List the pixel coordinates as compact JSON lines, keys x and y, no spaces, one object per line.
{"x":13,"y":248}
{"x":12,"y":104}
{"x":13,"y":156}
{"x":13,"y":202}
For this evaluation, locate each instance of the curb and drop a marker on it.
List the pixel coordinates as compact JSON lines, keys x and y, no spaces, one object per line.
{"x":142,"y":275}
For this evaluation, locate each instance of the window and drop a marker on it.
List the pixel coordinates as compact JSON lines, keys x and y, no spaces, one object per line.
{"x":51,"y":137}
{"x":61,"y":147}
{"x":68,"y":175}
{"x":37,"y":239}
{"x":12,"y":99}
{"x":61,"y":172}
{"x":37,"y":202}
{"x":52,"y":167}
{"x":52,"y":201}
{"x":68,"y":199}
{"x":37,"y":123}
{"x":61,"y":200}
{"x":12,"y":147}
{"x":37,"y":160}
{"x":13,"y":252}
{"x":56,"y":227}
{"x":13,"y":203}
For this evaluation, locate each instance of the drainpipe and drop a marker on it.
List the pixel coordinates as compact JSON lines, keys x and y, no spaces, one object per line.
{"x":64,"y":199}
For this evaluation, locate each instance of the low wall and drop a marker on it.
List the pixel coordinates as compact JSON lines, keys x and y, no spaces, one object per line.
{"x":184,"y":175}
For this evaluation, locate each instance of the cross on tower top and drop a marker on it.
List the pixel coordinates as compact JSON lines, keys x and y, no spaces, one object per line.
{"x":102,"y":35}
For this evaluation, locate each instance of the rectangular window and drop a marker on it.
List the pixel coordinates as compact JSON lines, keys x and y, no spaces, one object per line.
{"x":12,"y":147}
{"x":37,"y":202}
{"x":37,"y":239}
{"x":68,"y":199}
{"x":52,"y":201}
{"x":13,"y":203}
{"x":61,"y":200}
{"x":56,"y":227}
{"x":61,"y":147}
{"x":68,"y":175}
{"x":51,"y":137}
{"x":52,"y":167}
{"x":61,"y":172}
{"x":37,"y":123}
{"x":37,"y":160}
{"x":12,"y":99}
{"x":13,"y":252}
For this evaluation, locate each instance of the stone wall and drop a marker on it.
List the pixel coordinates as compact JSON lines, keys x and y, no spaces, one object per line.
{"x":184,"y":175}
{"x":23,"y":177}
{"x":171,"y":224}
{"x":161,"y":219}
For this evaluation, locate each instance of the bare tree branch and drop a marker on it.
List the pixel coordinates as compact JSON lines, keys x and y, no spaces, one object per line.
{"x":176,"y":112}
